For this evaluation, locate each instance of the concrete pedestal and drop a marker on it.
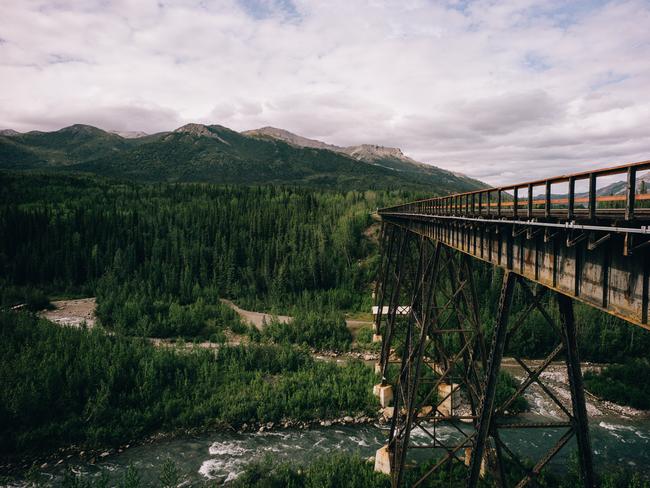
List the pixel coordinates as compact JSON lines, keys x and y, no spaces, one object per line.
{"x":435,"y":367}
{"x":382,"y":460}
{"x":385,"y":395}
{"x":451,"y":392}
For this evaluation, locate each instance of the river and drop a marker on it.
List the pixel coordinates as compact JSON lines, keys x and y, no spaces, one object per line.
{"x":222,"y":456}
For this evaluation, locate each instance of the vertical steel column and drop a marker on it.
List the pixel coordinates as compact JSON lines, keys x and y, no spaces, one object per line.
{"x":412,"y":358}
{"x":388,"y":234}
{"x":494,"y":364}
{"x":393,"y":303}
{"x":580,"y":421}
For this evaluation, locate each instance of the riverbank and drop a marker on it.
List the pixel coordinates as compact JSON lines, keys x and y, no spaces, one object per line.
{"x":615,"y":432}
{"x":556,"y":379}
{"x":72,"y":455}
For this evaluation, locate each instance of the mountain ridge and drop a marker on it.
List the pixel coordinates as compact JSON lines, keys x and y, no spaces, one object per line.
{"x":365,"y":152}
{"x":214,"y":153}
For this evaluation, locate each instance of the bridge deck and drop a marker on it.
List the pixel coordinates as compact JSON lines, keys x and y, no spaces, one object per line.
{"x":598,"y":252}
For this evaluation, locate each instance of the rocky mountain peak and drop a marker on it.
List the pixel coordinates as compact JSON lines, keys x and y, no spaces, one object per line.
{"x":290,"y":137}
{"x":374,"y":151}
{"x":135,"y":134}
{"x":195,"y":129}
{"x":201,"y":130}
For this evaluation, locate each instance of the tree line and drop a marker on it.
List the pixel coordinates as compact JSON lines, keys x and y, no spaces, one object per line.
{"x":149,"y":251}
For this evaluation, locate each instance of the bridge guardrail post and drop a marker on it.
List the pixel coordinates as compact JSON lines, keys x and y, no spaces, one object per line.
{"x":630,"y":193}
{"x":571,"y":201}
{"x":592,"y":196}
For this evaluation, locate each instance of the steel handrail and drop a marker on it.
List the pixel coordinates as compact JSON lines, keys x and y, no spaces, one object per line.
{"x":485,"y":201}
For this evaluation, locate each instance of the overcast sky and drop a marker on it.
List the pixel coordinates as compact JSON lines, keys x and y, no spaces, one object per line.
{"x":501,"y":91}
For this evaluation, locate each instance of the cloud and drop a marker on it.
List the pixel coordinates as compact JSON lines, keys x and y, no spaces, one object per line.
{"x":500,"y":90}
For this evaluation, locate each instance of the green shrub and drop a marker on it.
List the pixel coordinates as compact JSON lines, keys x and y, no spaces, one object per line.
{"x":507,"y":385}
{"x":330,"y":471}
{"x":364,"y":335}
{"x":327,"y":331}
{"x":64,"y":385}
{"x":619,"y":383}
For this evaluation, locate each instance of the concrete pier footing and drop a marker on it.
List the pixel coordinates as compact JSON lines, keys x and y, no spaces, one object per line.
{"x":382,"y":460}
{"x":376,"y":338}
{"x":435,"y":367}
{"x":387,"y":413}
{"x":450,"y":393}
{"x":385,"y":395}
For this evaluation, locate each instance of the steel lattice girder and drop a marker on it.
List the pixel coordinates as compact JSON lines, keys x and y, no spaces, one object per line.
{"x":445,"y":276}
{"x":607,"y":270}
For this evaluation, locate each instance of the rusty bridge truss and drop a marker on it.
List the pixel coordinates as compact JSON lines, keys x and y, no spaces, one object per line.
{"x":440,"y":364}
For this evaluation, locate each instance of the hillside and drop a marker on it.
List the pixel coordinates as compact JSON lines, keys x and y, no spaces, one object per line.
{"x":388,"y":157}
{"x":216,"y":154}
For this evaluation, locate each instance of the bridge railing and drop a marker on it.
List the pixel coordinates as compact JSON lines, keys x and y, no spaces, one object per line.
{"x":525,"y":201}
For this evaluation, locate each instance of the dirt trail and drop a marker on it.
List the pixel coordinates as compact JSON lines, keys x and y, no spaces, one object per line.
{"x":72,"y":312}
{"x":75,"y":312}
{"x":258,"y":318}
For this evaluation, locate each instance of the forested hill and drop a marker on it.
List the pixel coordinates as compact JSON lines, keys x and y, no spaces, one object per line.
{"x":216,"y":154}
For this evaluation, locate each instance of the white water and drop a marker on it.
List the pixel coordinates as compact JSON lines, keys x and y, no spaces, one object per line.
{"x":221,"y":457}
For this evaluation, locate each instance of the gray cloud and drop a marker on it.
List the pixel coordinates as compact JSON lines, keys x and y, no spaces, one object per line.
{"x":501,"y":90}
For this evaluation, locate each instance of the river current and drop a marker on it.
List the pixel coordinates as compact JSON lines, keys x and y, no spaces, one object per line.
{"x":222,"y":456}
{"x":617,"y":440}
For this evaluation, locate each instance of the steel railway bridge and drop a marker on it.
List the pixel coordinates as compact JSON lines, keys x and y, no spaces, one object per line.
{"x":554,"y":245}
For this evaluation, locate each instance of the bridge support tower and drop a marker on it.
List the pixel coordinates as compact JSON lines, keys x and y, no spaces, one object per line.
{"x":446,"y":380}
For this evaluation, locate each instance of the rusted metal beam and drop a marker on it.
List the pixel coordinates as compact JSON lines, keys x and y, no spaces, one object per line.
{"x":484,"y":426}
{"x":579,"y":420}
{"x":607,"y":277}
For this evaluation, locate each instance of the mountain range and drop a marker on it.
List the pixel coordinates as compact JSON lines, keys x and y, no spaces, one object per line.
{"x":216,"y":154}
